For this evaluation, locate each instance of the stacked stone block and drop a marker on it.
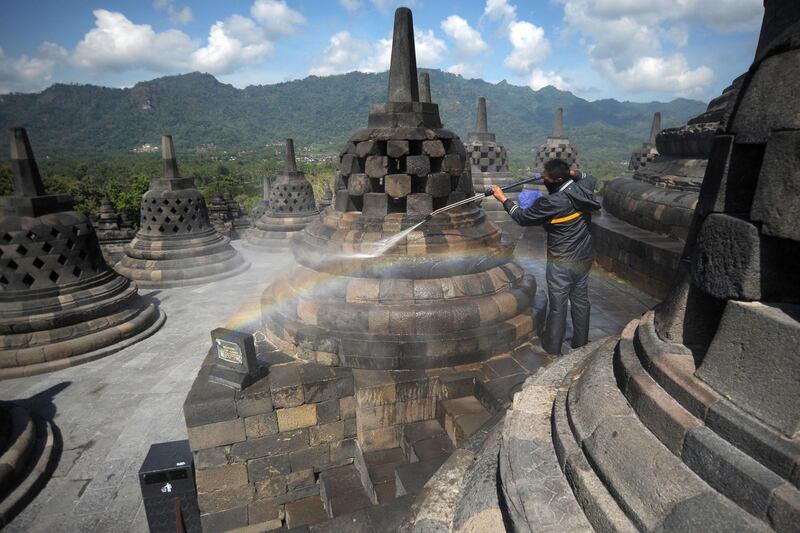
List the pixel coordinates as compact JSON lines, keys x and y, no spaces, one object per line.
{"x":112,"y":233}
{"x":488,"y":163}
{"x":60,"y":303}
{"x":176,"y":244}
{"x":557,"y":146}
{"x":260,"y":450}
{"x":642,"y":230}
{"x":291,"y":207}
{"x":445,"y":295}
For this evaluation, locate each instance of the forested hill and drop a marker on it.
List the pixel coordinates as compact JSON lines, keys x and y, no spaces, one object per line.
{"x":321,"y":111}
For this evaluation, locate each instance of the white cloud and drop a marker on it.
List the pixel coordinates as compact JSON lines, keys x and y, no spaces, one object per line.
{"x":276,"y":17}
{"x":183,"y":15}
{"x":341,"y":55}
{"x":500,"y":10}
{"x":350,"y":5}
{"x":668,"y":75}
{"x":530,"y":46}
{"x":346,"y":53}
{"x":116,"y":44}
{"x":540,"y":79}
{"x":231,"y":43}
{"x":468,"y":41}
{"x":25,"y":73}
{"x":468,"y":70}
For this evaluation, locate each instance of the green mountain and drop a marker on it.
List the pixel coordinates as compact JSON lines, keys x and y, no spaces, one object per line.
{"x":319,"y":111}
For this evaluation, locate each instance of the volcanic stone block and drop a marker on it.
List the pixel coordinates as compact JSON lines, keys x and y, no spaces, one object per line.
{"x":326,"y":433}
{"x":376,"y":204}
{"x":419,"y":204}
{"x":433,"y":148}
{"x":297,"y":417}
{"x":227,"y":498}
{"x":731,"y":176}
{"x":266,"y":512}
{"x":267,"y":467}
{"x":304,"y":512}
{"x":350,"y":165}
{"x":224,"y":521}
{"x":438,"y":184}
{"x":727,"y":259}
{"x":753,"y":361}
{"x":418,"y":165}
{"x":343,"y":201}
{"x":286,"y":385}
{"x":217,"y":434}
{"x":776,"y":202}
{"x":260,"y":425}
{"x":377,"y":166}
{"x":222,"y":477}
{"x":366,"y":148}
{"x":280,"y":443}
{"x":451,"y":163}
{"x":398,"y":185}
{"x":358,"y":185}
{"x":397,"y":148}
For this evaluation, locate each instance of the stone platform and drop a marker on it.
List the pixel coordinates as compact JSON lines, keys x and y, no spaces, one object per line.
{"x":108,"y":412}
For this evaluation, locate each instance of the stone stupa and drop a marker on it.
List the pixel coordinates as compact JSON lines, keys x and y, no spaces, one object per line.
{"x":449,"y":293}
{"x":489,"y":164}
{"x":218,"y":214}
{"x":690,"y":420}
{"x":291,"y":208}
{"x":112,"y":234}
{"x":557,"y":146}
{"x":649,"y":150}
{"x":176,"y":245}
{"x":60,"y":303}
{"x":262,"y":205}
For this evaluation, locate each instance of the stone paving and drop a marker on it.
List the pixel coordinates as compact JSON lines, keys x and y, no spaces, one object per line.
{"x":110,"y":411}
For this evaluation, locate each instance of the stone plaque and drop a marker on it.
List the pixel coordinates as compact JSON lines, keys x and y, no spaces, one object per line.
{"x":236,"y":365}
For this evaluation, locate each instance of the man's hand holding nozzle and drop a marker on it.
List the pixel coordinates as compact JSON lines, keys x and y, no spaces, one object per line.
{"x":498,"y":193}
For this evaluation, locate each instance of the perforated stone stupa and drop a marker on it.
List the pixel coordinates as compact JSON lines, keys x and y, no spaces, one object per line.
{"x":291,"y":207}
{"x":112,"y":232}
{"x":648,"y":151}
{"x":557,"y":146}
{"x":60,"y":303}
{"x":449,"y":293}
{"x":176,"y":244}
{"x":488,"y":163}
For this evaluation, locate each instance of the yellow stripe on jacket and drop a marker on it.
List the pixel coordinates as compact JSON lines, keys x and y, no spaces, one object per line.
{"x":567,"y":218}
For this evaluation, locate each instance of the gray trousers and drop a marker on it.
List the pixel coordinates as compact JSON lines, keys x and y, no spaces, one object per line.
{"x":567,"y":281}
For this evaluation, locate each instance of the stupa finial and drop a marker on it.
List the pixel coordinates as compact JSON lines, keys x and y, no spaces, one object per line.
{"x":655,"y":128}
{"x":291,"y":162}
{"x":403,"y":68}
{"x":482,"y":125}
{"x":558,"y":128}
{"x":27,"y":181}
{"x":168,"y":157}
{"x":425,"y":88}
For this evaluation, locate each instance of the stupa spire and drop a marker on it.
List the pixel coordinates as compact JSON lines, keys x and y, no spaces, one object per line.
{"x":27,"y":181}
{"x":482,"y":124}
{"x":291,"y":162}
{"x":425,"y":88}
{"x":558,"y":128}
{"x":655,"y":128}
{"x":168,"y":157}
{"x":403,"y":68}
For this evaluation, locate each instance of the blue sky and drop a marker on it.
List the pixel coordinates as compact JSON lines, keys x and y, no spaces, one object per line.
{"x":637,"y":50}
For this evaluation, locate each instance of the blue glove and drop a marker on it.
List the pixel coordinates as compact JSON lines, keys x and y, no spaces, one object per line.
{"x":528,"y":197}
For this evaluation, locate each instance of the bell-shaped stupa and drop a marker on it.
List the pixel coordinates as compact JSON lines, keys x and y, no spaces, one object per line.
{"x":648,"y":151}
{"x":291,"y":207}
{"x":112,"y":234}
{"x":262,"y":205}
{"x":557,"y":146}
{"x":60,"y":303}
{"x":176,"y":244}
{"x":445,"y":294}
{"x":489,"y":163}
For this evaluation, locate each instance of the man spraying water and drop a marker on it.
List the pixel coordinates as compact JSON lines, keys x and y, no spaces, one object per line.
{"x":565,"y":214}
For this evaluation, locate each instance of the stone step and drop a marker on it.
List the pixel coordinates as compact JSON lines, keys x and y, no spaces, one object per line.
{"x":730,"y":471}
{"x":672,"y":368}
{"x":461,"y":417}
{"x":304,"y":512}
{"x":653,"y":487}
{"x":381,"y":467}
{"x":411,"y":477}
{"x":342,"y":491}
{"x":425,"y":441}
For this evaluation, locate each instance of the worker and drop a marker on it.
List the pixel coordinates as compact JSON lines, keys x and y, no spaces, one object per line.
{"x":565,"y":214}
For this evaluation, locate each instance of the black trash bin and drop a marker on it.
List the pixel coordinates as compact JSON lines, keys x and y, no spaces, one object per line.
{"x":167,"y":476}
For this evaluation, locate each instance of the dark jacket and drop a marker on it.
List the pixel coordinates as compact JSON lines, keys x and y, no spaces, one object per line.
{"x":565,"y":215}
